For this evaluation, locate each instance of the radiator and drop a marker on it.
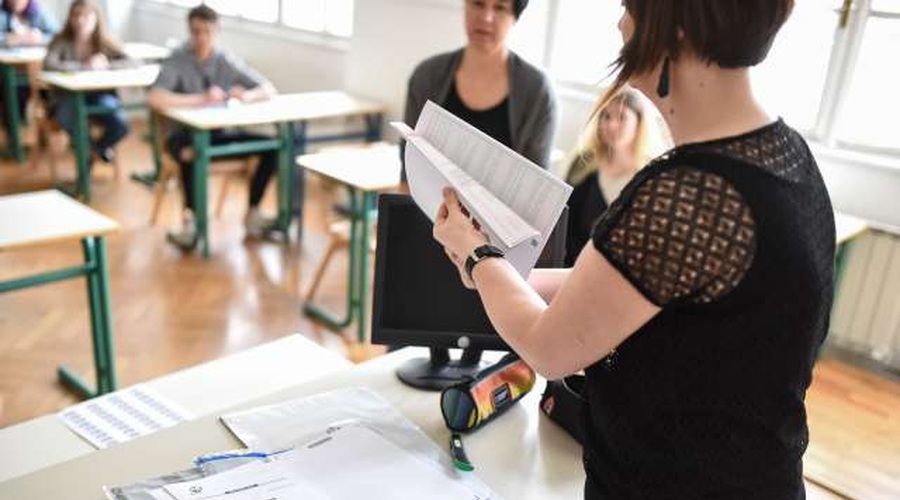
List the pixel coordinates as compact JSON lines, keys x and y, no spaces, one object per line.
{"x":866,"y":314}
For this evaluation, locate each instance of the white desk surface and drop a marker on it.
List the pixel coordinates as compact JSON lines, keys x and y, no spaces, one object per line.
{"x":22,"y":55}
{"x":374,"y":167}
{"x":35,"y":54}
{"x":280,"y":108}
{"x":522,"y":455}
{"x":847,"y":227}
{"x":47,"y":216}
{"x":146,"y":51}
{"x":205,"y":389}
{"x":81,"y":81}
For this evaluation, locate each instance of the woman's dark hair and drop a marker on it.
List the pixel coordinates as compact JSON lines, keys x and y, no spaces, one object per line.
{"x":101,"y":41}
{"x":729,"y":33}
{"x":519,"y":6}
{"x":30,"y":11}
{"x":204,"y":13}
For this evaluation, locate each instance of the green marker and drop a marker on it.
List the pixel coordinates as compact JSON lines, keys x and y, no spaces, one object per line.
{"x":460,"y":460}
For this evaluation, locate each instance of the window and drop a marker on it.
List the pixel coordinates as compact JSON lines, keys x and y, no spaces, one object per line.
{"x":827,"y":78}
{"x":871,"y":105}
{"x":333,"y":17}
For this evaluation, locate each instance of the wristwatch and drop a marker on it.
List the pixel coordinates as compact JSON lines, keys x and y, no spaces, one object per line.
{"x":479,"y":254}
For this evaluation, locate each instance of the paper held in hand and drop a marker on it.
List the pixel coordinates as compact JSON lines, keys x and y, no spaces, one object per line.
{"x":516,"y":202}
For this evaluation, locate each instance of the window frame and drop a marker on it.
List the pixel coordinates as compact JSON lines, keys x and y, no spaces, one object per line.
{"x":846,"y":47}
{"x":323,"y":36}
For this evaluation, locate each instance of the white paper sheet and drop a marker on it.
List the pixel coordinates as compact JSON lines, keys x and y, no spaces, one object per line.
{"x":347,"y":463}
{"x":517,"y":202}
{"x":123,"y":415}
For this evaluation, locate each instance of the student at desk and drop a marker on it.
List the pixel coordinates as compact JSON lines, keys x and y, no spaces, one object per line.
{"x":488,"y":85}
{"x":698,"y":307}
{"x":614,"y":149}
{"x":202,"y":74}
{"x":24,"y":22}
{"x":83,"y":45}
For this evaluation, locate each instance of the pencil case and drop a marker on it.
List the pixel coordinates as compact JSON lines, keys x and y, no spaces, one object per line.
{"x":472,"y":403}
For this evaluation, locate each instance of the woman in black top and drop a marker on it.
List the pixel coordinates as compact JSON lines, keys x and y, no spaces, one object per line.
{"x":488,"y":85}
{"x":698,"y":307}
{"x":615,"y":142}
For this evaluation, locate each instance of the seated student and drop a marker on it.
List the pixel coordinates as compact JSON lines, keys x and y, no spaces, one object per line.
{"x":198,"y":74}
{"x":84,"y":44}
{"x":23,"y":22}
{"x":488,"y":85}
{"x":615,"y":149}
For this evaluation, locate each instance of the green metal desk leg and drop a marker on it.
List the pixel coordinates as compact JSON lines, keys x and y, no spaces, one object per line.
{"x":94,"y":250}
{"x":82,"y":147}
{"x":201,"y":168}
{"x":323,"y":317}
{"x":149,"y":178}
{"x":14,"y":140}
{"x":362,"y":254}
{"x":285,"y":178}
{"x":107,"y":377}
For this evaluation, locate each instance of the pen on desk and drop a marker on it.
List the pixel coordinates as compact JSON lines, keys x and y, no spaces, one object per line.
{"x":460,"y":460}
{"x":225,"y":456}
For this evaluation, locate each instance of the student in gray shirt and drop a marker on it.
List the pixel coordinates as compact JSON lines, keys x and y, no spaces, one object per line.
{"x":200,"y":74}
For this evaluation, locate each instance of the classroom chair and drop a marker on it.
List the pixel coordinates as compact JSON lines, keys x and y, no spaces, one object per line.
{"x":339,"y":238}
{"x":169,"y":170}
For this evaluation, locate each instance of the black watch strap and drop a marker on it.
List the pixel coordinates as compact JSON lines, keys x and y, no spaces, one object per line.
{"x":479,"y":254}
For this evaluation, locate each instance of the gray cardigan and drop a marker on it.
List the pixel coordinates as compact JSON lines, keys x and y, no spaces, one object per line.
{"x":61,"y":56}
{"x":533,"y":115}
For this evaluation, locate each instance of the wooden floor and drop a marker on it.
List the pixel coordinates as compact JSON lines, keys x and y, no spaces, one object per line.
{"x":172,"y":311}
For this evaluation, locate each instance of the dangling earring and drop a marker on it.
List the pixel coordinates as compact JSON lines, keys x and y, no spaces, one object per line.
{"x":662,"y":89}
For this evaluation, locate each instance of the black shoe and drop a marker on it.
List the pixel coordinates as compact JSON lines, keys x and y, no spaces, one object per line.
{"x":106,"y":155}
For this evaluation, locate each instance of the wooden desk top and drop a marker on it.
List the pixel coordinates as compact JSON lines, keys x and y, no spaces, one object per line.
{"x":47,"y":216}
{"x":81,"y":81}
{"x":848,"y":227}
{"x":35,"y":54}
{"x":374,"y":167}
{"x":280,"y":108}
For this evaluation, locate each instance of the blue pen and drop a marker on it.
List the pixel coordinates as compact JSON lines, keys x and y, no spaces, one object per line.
{"x":204,"y":459}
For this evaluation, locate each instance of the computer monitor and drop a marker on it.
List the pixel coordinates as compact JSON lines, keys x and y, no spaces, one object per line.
{"x":419,"y":299}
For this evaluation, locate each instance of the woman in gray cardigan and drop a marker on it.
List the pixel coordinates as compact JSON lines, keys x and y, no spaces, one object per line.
{"x":490,"y":86}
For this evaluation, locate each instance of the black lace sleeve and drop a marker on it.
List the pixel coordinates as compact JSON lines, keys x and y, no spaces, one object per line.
{"x":681,"y":234}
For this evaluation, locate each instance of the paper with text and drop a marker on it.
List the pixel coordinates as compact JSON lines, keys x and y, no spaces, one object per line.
{"x":122,"y":416}
{"x":516,"y":202}
{"x":346,"y":463}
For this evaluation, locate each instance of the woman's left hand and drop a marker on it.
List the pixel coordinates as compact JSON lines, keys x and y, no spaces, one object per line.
{"x":458,"y":233}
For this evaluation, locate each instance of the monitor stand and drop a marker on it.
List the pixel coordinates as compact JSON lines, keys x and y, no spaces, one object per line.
{"x":439,"y":371}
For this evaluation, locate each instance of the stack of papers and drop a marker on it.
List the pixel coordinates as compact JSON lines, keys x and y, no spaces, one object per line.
{"x":346,"y":463}
{"x":345,"y":444}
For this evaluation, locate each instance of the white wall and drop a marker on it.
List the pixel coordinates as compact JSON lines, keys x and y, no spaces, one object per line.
{"x":294,"y":63}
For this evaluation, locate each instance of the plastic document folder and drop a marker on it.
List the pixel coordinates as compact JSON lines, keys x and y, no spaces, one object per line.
{"x":347,"y":462}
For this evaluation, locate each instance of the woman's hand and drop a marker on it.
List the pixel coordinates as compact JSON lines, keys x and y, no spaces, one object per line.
{"x":98,"y":61}
{"x":458,"y":233}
